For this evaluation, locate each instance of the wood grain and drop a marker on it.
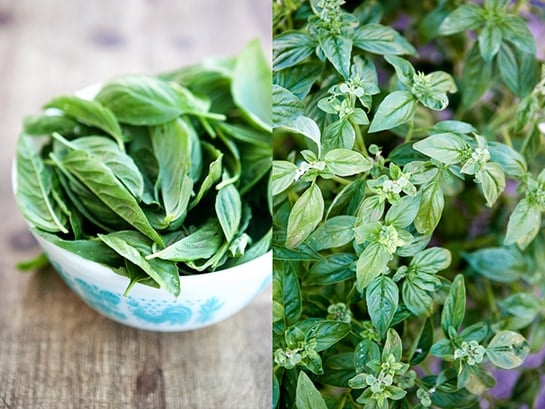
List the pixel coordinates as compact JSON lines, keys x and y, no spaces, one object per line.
{"x":55,"y":352}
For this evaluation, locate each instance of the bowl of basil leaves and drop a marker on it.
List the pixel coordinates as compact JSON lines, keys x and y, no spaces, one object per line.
{"x":149,"y":194}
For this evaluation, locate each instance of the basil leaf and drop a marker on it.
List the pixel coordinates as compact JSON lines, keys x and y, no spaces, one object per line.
{"x":172,"y":148}
{"x":507,"y":349}
{"x":33,"y":190}
{"x":141,"y":100}
{"x":283,"y":175}
{"x":382,"y":298}
{"x":215,"y":169}
{"x":490,"y":40}
{"x":454,"y":308}
{"x":492,"y":181}
{"x":445,"y":147}
{"x":524,"y":224}
{"x":291,"y":48}
{"x":432,"y":203}
{"x":327,"y":333}
{"x":134,"y":247}
{"x":465,"y":17}
{"x":345,"y":162}
{"x":200,"y":244}
{"x":396,"y":109}
{"x":251,"y":86}
{"x":337,"y":50}
{"x":499,"y":264}
{"x":338,"y":135}
{"x":372,"y":262}
{"x":228,"y":210}
{"x":476,"y":77}
{"x":307,"y":396}
{"x":515,"y":30}
{"x":332,"y":269}
{"x":121,"y":164}
{"x":286,"y":106}
{"x":100,"y":180}
{"x":334,"y":232}
{"x":379,"y":39}
{"x":432,"y":260}
{"x":305,"y":215}
{"x":90,"y":113}
{"x":47,"y":124}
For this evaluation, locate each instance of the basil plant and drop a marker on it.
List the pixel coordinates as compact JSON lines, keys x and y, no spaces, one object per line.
{"x":408,"y":192}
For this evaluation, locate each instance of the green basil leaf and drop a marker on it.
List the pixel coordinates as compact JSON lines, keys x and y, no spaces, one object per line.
{"x":299,"y":80}
{"x":507,"y":349}
{"x":345,"y":162}
{"x":305,"y":215}
{"x":141,"y":100}
{"x":515,"y":30}
{"x":402,"y":213}
{"x":119,"y":162}
{"x":404,"y":69}
{"x":382,"y":298}
{"x":445,"y":147}
{"x":215,"y":169}
{"x":383,"y":40}
{"x":432,"y":203}
{"x":291,"y":48}
{"x":334,"y":232}
{"x":100,"y":180}
{"x":490,"y":40}
{"x":337,"y":50}
{"x":465,"y":17}
{"x":90,"y":113}
{"x":338,"y":135}
{"x":33,"y":191}
{"x":134,"y":247}
{"x":476,"y":77}
{"x":332,"y":269}
{"x":392,"y":345}
{"x":305,"y":126}
{"x":286,"y":106}
{"x":228,"y":210}
{"x":47,"y":124}
{"x":172,"y":148}
{"x":327,"y":333}
{"x":307,"y":396}
{"x":93,"y":249}
{"x":372,"y":262}
{"x":524,"y":224}
{"x":499,"y":264}
{"x":492,"y":181}
{"x":251,"y":86}
{"x":287,"y":290}
{"x":431,"y":260}
{"x":454,"y":308}
{"x":416,"y":299}
{"x":283,"y":175}
{"x":203,"y":243}
{"x":512,"y":162}
{"x":396,"y":109}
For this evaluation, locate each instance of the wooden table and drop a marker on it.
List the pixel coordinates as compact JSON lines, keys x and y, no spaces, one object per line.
{"x":55,"y":352}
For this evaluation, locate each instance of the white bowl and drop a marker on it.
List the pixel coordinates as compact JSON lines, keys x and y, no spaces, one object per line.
{"x":205,"y":299}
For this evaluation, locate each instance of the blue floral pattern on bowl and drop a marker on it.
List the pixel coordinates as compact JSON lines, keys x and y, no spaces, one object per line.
{"x":118,"y":306}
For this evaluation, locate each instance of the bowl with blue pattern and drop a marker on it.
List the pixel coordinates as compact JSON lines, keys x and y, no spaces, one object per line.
{"x":205,"y":299}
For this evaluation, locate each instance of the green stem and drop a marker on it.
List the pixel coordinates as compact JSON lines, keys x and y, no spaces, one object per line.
{"x":507,"y":138}
{"x":341,"y":180}
{"x":360,"y":143}
{"x":519,"y":4}
{"x":411,"y":131}
{"x":343,"y":401}
{"x":491,"y":299}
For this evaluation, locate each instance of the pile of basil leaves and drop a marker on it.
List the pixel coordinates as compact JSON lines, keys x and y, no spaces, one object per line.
{"x":156,"y":177}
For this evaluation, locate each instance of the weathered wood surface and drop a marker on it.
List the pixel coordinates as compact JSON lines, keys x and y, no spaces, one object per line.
{"x":55,"y":352}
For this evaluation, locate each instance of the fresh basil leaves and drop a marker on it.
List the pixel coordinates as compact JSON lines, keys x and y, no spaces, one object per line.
{"x":156,"y":176}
